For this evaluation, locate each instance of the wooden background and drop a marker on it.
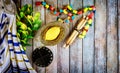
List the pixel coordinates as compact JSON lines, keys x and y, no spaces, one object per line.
{"x":97,"y":53}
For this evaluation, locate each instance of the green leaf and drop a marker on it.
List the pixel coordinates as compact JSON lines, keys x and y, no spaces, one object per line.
{"x":24,"y":48}
{"x":29,"y":21}
{"x":36,"y":27}
{"x":18,"y":34}
{"x":19,"y":31}
{"x":29,"y":29}
{"x":22,"y":14}
{"x":36,"y":16}
{"x":37,"y":22}
{"x":27,"y":44}
{"x":24,"y":34}
{"x":24,"y":8}
{"x":18,"y":17}
{"x":18,"y":23}
{"x":23,"y":41}
{"x":29,"y":37}
{"x":29,"y":17}
{"x":23,"y":27}
{"x":28,"y":12}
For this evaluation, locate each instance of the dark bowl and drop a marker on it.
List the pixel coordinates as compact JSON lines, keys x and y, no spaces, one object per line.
{"x":42,"y":57}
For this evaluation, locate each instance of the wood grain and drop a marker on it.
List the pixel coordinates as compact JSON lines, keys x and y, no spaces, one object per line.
{"x":23,"y":2}
{"x":100,"y":37}
{"x":88,"y":45}
{"x":36,"y":40}
{"x":52,"y":68}
{"x":119,"y":35}
{"x":112,"y":60}
{"x":62,"y":54}
{"x":76,"y":51}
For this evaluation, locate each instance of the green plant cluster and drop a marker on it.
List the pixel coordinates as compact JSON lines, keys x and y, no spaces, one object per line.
{"x":27,"y":24}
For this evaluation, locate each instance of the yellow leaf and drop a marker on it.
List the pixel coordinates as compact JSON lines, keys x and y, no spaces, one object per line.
{"x":23,"y":27}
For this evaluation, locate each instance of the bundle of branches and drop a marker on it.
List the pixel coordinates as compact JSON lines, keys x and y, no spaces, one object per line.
{"x":27,"y":24}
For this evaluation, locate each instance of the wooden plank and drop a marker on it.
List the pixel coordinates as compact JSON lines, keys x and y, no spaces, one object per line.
{"x":23,"y":2}
{"x":119,"y":35}
{"x":52,"y":68}
{"x":62,"y":54}
{"x":17,"y":3}
{"x":29,"y":48}
{"x":76,"y":47}
{"x":88,"y":45}
{"x":112,"y":61}
{"x":100,"y":37}
{"x":36,"y":40}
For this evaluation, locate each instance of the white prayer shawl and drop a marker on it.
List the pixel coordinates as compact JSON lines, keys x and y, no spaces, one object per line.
{"x":12,"y":56}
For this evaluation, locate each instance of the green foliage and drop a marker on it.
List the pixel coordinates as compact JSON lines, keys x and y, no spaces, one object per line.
{"x":27,"y":24}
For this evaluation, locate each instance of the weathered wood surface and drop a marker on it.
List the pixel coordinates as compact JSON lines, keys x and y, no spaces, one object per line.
{"x":112,"y":52}
{"x":36,"y":40}
{"x":100,"y":55}
{"x":118,"y":34}
{"x":62,"y":54}
{"x":76,"y":51}
{"x":88,"y":49}
{"x":52,"y":68}
{"x":97,"y":53}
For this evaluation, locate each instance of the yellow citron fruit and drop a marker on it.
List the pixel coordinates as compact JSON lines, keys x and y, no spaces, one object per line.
{"x":52,"y":33}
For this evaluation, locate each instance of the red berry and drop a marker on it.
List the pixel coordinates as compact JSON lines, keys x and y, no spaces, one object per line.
{"x":57,"y":14}
{"x":38,"y":3}
{"x":69,"y":14}
{"x":79,"y":12}
{"x":52,"y":8}
{"x":71,"y":20}
{"x":93,"y":7}
{"x":91,"y":15}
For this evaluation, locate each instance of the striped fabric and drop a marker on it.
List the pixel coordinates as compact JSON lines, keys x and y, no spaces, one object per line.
{"x":13,"y":59}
